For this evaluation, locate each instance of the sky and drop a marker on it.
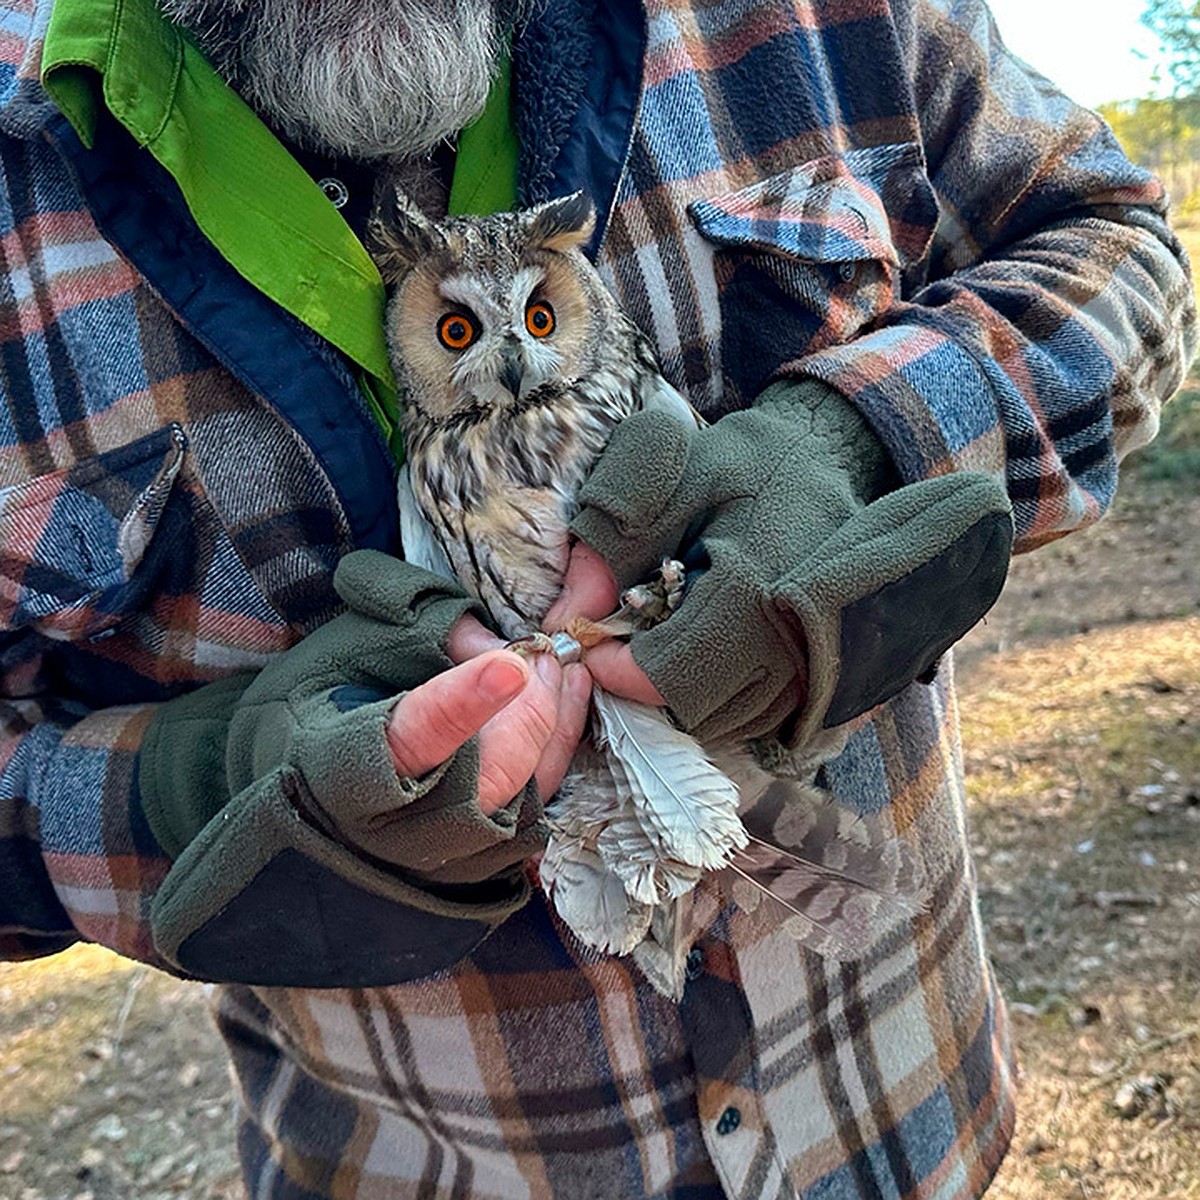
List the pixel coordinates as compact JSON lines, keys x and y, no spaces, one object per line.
{"x":1087,"y":47}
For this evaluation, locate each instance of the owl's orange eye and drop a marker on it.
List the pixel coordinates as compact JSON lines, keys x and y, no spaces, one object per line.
{"x":539,"y":319}
{"x":456,"y":331}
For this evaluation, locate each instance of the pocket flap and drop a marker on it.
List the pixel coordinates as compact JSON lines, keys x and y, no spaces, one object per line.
{"x":874,"y":203}
{"x":71,"y":540}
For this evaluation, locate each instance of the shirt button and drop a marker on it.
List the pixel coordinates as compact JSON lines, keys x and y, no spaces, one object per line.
{"x":848,"y":270}
{"x":731,"y":1118}
{"x":336,"y":192}
{"x":695,"y":963}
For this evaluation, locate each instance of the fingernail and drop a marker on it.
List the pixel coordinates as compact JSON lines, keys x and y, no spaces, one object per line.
{"x":549,"y":672}
{"x":502,"y":678}
{"x":579,"y":679}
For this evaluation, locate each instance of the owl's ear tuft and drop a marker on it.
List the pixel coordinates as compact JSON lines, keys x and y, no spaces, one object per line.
{"x":399,"y":236}
{"x":565,"y":224}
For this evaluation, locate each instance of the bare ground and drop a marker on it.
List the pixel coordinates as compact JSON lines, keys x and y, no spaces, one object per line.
{"x":112,"y":1084}
{"x":1081,"y":713}
{"x":1081,"y":719}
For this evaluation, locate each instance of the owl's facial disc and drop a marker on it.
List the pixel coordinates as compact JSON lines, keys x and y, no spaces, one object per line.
{"x":489,"y":335}
{"x":499,"y":336}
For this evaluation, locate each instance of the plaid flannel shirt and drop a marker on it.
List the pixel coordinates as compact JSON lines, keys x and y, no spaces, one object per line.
{"x":872,"y":192}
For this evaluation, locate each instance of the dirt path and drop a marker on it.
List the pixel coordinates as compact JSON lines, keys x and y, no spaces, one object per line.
{"x":1081,"y":713}
{"x":1081,"y":722}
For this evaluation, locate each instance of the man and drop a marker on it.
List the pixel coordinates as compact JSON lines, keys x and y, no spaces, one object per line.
{"x":865,"y":221}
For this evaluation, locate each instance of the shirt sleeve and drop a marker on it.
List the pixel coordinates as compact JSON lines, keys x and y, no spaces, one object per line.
{"x":77,"y":858}
{"x":1057,"y":311}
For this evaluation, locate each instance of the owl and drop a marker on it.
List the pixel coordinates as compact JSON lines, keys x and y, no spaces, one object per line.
{"x":515,"y":364}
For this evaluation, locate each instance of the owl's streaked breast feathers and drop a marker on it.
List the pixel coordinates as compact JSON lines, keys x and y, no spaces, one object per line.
{"x":515,"y":365}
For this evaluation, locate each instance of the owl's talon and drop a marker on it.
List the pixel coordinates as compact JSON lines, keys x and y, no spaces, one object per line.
{"x":674,"y":577}
{"x":531,"y":645}
{"x":639,"y":597}
{"x":647,"y":604}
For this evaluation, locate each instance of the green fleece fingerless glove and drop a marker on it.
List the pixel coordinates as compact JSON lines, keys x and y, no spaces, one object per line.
{"x":817,"y":587}
{"x":300,"y":856}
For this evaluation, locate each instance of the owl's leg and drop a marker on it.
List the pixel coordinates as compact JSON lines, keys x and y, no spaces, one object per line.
{"x":562,"y":645}
{"x":642,"y":607}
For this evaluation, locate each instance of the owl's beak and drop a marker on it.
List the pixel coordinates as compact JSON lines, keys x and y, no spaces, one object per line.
{"x":513,"y":370}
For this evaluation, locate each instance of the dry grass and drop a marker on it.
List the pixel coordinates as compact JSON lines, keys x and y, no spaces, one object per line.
{"x":1085,"y":783}
{"x":1082,"y":731}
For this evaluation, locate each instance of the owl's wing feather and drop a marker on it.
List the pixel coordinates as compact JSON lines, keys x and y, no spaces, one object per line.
{"x":834,"y":879}
{"x":587,"y":800}
{"x":417,"y":537}
{"x":687,"y":806}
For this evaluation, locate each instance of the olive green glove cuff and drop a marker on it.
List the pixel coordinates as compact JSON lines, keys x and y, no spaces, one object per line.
{"x":255,"y":783}
{"x":262,"y":897}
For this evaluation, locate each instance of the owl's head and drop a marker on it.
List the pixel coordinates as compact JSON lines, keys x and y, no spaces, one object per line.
{"x":487,"y":310}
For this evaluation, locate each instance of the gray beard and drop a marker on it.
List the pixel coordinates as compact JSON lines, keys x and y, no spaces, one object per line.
{"x":363,"y":79}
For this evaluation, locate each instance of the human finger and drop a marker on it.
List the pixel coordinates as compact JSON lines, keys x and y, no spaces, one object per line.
{"x":470,"y":638}
{"x":512,"y":743}
{"x":430,"y":723}
{"x":589,"y":589}
{"x":612,"y":666}
{"x":573,"y":703}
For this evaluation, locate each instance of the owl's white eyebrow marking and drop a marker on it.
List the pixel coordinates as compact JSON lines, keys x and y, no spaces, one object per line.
{"x":472,"y":292}
{"x":525,"y":282}
{"x":526,"y":279}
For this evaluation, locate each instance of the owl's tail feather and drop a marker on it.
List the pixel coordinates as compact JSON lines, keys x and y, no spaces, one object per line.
{"x":685,"y":806}
{"x":662,"y":953}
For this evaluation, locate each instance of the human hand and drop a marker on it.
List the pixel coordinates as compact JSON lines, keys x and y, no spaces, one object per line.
{"x":528,"y":721}
{"x":303,"y":853}
{"x":818,"y":588}
{"x":590,"y":590}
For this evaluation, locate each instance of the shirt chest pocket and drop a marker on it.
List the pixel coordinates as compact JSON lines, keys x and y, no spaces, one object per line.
{"x":73,"y":542}
{"x":812,"y":256}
